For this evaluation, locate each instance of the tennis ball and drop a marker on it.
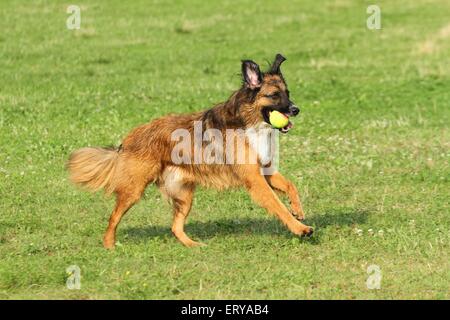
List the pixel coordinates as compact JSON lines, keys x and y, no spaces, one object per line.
{"x":278,"y":120}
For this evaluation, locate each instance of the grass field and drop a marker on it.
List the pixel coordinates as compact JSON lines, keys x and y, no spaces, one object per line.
{"x":369,"y":154}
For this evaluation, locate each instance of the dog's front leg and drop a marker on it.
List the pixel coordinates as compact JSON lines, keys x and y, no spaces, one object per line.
{"x":262,"y":194}
{"x":279,"y":182}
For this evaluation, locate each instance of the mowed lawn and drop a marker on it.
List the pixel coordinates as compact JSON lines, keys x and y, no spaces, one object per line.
{"x":369,"y":153}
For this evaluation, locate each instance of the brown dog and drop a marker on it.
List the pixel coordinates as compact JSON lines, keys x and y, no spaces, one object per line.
{"x":150,"y":153}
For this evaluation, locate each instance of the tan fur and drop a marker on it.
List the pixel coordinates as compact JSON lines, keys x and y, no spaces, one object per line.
{"x":94,"y":168}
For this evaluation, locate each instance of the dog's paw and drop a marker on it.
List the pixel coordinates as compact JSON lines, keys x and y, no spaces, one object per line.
{"x":299,"y":217}
{"x":307,"y":232}
{"x":109,"y":243}
{"x":297,"y":212}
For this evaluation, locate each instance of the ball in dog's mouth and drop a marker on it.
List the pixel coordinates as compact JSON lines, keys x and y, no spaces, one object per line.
{"x":288,"y":126}
{"x":267,"y":112}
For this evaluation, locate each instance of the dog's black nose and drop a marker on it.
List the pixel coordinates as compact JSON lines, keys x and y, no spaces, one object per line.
{"x":294,"y":110}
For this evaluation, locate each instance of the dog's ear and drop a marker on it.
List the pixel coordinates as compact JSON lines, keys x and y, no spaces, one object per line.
{"x":277,"y":63}
{"x":251,"y":74}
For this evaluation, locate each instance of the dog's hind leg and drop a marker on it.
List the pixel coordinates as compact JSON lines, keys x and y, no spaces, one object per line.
{"x":125,"y":200}
{"x":176,"y":185}
{"x":182,"y":204}
{"x":132,"y":178}
{"x":279,"y":182}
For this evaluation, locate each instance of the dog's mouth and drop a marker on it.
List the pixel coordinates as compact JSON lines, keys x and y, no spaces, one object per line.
{"x":287,"y":127}
{"x":266,"y":115}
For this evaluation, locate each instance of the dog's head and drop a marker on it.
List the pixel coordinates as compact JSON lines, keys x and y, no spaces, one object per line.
{"x":269,"y":90}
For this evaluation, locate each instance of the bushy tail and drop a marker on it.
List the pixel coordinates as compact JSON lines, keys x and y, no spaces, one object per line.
{"x":94,"y":168}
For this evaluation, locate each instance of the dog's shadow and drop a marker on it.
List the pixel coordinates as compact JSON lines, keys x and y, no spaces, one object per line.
{"x":229,"y":226}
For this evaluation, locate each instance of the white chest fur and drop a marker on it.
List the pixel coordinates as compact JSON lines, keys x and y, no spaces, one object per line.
{"x":263,"y":140}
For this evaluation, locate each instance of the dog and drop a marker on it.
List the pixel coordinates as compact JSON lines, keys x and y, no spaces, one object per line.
{"x":146,"y":156}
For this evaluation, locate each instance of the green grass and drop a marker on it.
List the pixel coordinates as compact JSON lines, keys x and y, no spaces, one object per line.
{"x":370,"y":150}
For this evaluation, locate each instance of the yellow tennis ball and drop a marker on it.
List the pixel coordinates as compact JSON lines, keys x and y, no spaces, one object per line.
{"x":278,"y":120}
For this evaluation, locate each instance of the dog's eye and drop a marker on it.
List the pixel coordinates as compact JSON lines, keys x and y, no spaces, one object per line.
{"x":272,"y":96}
